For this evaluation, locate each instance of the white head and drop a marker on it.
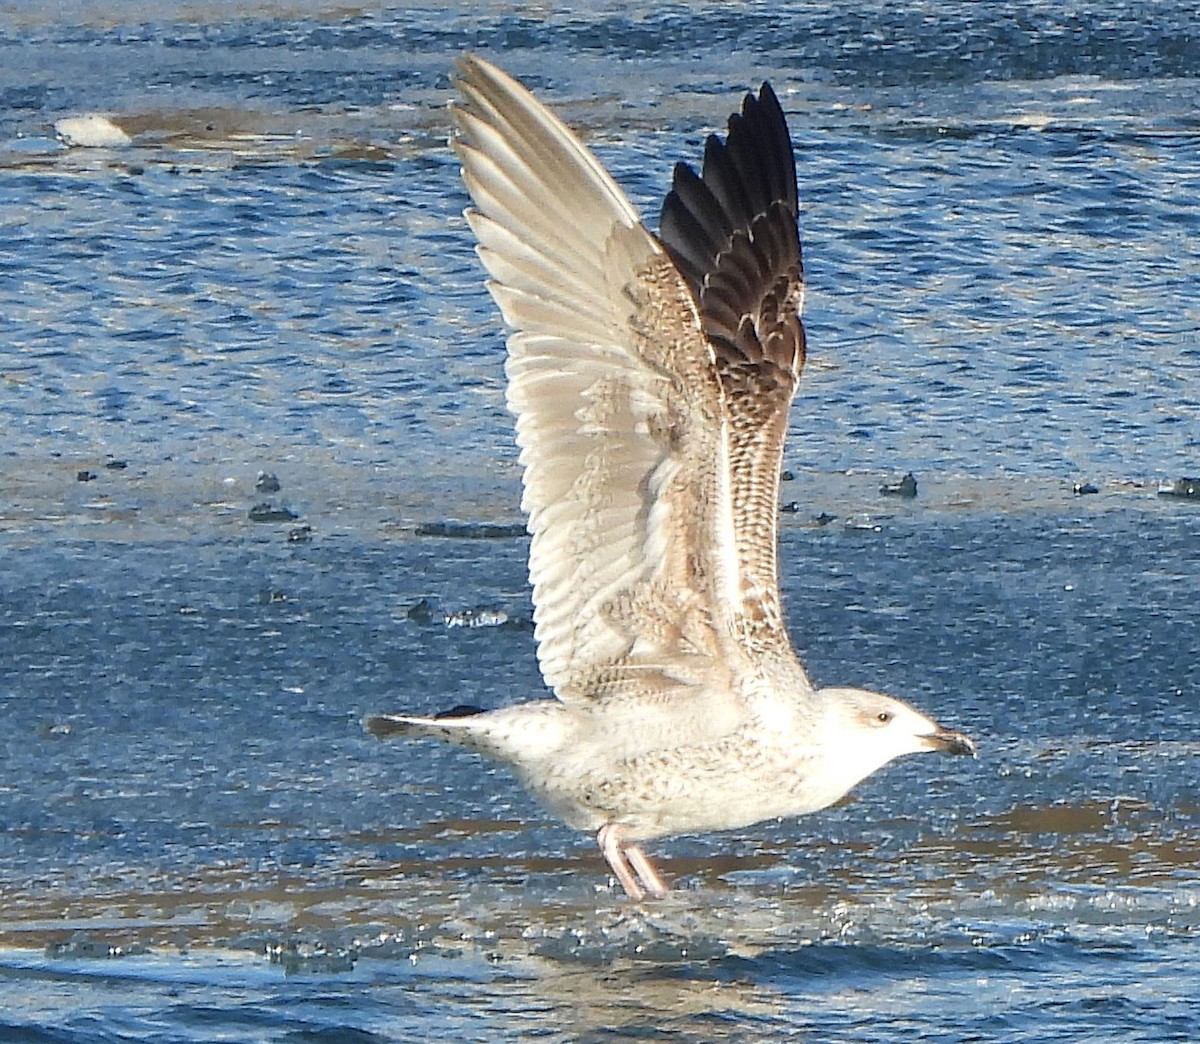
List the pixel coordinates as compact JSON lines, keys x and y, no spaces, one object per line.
{"x":862,"y":731}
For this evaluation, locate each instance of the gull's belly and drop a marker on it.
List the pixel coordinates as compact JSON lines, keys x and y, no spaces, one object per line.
{"x":739,"y":780}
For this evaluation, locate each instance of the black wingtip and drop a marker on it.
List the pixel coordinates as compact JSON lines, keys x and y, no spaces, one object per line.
{"x":748,"y":174}
{"x":764,"y":122}
{"x":461,"y":710}
{"x":741,"y":177}
{"x":732,"y":234}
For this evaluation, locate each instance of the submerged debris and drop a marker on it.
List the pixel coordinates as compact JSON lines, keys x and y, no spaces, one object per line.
{"x":315,"y":960}
{"x":477,"y":618}
{"x":1184,"y":487}
{"x":267,"y":483}
{"x":470,"y":530}
{"x":85,"y":947}
{"x":906,"y":487}
{"x":420,"y":612}
{"x":423,"y":612}
{"x":266,"y":512}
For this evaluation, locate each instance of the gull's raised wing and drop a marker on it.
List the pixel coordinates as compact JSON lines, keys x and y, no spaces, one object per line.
{"x":732,"y":233}
{"x":620,"y":413}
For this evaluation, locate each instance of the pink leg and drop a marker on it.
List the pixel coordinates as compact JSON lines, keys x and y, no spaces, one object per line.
{"x":609,"y":839}
{"x":631,"y":865}
{"x":647,"y":873}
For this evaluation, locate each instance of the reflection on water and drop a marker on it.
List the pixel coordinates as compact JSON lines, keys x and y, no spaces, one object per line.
{"x":1034,"y":866}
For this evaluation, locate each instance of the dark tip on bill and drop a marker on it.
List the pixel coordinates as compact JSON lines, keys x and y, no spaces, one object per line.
{"x":950,"y":741}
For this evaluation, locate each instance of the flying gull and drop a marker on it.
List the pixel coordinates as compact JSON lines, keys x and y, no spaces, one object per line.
{"x":651,"y":378}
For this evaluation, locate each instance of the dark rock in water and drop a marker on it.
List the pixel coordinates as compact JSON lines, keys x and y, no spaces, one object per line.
{"x":1184,"y":487}
{"x":84,"y":947}
{"x":316,"y":961}
{"x":477,"y":618}
{"x":270,"y":513}
{"x":470,"y":530}
{"x":425,"y":613}
{"x":461,"y":710}
{"x":267,"y":483}
{"x":790,"y":508}
{"x":300,"y":535}
{"x":1082,"y":489}
{"x":421,"y":612}
{"x":84,"y":475}
{"x":116,"y":465}
{"x":906,"y":487}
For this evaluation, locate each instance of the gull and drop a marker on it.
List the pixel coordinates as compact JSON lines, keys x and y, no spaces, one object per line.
{"x":651,"y":378}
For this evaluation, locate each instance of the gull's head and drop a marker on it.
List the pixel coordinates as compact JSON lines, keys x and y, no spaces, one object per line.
{"x":862,"y":731}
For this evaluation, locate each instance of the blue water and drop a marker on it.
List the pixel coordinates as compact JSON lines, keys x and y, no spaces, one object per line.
{"x":197,"y":842}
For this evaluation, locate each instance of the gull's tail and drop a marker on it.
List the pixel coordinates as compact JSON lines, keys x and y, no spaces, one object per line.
{"x":511,"y":734}
{"x":457,"y":725}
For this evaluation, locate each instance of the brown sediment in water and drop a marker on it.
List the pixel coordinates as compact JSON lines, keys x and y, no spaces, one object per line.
{"x":1013,"y":858}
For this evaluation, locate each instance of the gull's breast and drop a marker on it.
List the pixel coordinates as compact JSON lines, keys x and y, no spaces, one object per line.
{"x":741,"y":779}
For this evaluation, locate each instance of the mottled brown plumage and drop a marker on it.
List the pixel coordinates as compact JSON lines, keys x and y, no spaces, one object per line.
{"x":732,"y":233}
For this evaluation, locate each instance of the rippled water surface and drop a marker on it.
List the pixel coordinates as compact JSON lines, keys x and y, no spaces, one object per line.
{"x":197,"y":842}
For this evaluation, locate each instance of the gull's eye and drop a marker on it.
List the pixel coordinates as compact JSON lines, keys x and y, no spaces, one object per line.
{"x":883,"y":717}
